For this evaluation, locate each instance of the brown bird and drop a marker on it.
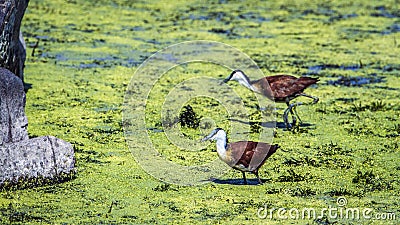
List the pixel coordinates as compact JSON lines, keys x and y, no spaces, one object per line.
{"x":280,"y":88}
{"x":245,"y":156}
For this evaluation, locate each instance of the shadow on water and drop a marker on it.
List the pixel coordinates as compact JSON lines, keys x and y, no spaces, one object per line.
{"x":283,"y":126}
{"x":239,"y":181}
{"x":270,"y":124}
{"x":27,"y":86}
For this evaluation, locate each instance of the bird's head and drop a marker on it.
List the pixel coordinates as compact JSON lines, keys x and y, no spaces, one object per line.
{"x":241,"y":77}
{"x":236,"y":75}
{"x":216,"y":134}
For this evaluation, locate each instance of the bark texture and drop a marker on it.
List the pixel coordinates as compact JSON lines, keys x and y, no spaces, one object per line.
{"x":12,"y":46}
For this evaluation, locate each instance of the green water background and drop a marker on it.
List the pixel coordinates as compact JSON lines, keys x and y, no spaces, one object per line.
{"x":87,"y":52}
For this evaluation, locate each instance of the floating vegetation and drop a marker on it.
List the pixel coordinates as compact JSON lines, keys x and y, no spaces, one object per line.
{"x":221,"y":31}
{"x":356,"y":129}
{"x":189,"y":118}
{"x":340,"y":192}
{"x":331,"y":149}
{"x":13,"y":214}
{"x":324,"y":220}
{"x":292,"y":176}
{"x":346,"y":100}
{"x":255,"y":122}
{"x":397,"y":129}
{"x":81,"y":56}
{"x":303,"y":161}
{"x":24,"y":183}
{"x":371,"y":182}
{"x":164,"y":187}
{"x":302,"y":192}
{"x":373,"y":106}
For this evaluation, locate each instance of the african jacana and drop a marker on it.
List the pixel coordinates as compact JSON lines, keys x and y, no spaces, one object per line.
{"x":245,"y":156}
{"x":280,"y":88}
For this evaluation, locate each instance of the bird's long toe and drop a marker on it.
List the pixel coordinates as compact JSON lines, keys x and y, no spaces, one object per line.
{"x":296,"y":116}
{"x":259,"y":180}
{"x":244,"y":178}
{"x":294,"y":121}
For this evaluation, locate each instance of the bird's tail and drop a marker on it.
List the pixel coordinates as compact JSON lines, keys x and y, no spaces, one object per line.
{"x":308,"y":80}
{"x":273,"y":148}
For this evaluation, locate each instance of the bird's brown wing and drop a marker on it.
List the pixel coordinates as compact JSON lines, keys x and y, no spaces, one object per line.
{"x":283,"y":86}
{"x":268,"y":86}
{"x":251,"y":155}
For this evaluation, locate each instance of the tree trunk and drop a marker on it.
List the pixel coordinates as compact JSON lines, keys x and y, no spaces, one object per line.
{"x":12,"y":46}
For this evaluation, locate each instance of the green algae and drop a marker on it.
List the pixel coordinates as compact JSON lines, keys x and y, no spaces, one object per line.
{"x":89,"y":50}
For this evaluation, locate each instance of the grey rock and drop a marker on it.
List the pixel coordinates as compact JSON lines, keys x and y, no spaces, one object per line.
{"x":13,"y":122}
{"x":21,"y":158}
{"x":42,"y":157}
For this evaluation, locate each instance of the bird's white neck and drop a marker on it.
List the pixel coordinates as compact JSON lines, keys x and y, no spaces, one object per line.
{"x":243,"y":80}
{"x":221,"y":146}
{"x":246,"y":84}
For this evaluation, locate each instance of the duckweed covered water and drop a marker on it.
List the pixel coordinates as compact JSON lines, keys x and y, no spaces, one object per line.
{"x":88,"y":51}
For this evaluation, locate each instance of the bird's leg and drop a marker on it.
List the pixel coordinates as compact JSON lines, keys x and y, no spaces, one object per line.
{"x":294,"y":115}
{"x":258,"y":177}
{"x":294,"y":106}
{"x":292,"y":109}
{"x":316,"y":99}
{"x":285,"y":118}
{"x":244,"y":178}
